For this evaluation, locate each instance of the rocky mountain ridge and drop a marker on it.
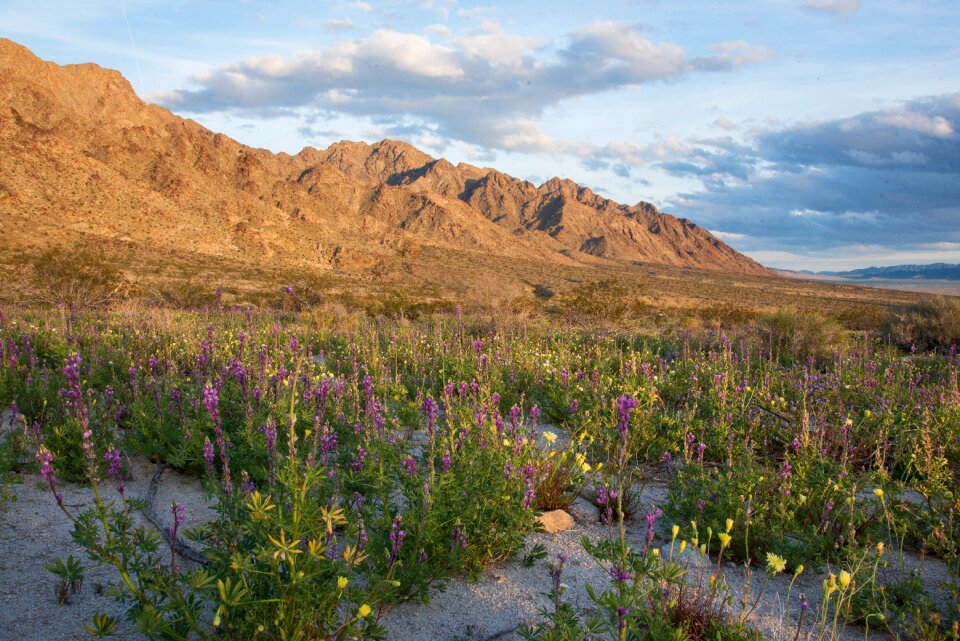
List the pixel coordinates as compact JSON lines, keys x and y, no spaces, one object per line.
{"x":82,"y":157}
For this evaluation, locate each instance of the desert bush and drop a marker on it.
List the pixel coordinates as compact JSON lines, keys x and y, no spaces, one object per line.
{"x":801,"y":333}
{"x":183,"y":295}
{"x":74,"y":279}
{"x":932,"y":324}
{"x":605,"y":301}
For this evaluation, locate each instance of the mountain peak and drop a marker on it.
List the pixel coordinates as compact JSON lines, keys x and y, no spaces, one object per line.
{"x":83,"y":156}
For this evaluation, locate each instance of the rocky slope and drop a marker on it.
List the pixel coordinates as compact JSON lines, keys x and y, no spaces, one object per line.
{"x":81,"y":156}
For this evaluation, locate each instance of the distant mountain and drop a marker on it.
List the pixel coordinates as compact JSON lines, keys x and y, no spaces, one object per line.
{"x":82,"y":157}
{"x":935,"y":271}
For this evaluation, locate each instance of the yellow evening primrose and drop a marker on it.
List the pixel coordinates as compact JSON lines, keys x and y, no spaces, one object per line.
{"x":776,"y":563}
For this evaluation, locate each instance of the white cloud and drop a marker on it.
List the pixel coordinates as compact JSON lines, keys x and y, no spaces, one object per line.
{"x":494,"y":45}
{"x":838,"y":7}
{"x":727,"y":235}
{"x":486,"y":86}
{"x":921,"y":123}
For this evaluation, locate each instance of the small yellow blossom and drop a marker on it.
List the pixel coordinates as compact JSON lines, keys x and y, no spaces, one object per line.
{"x":729,"y":524}
{"x":724,"y":539}
{"x":880,"y":548}
{"x":342,"y":582}
{"x":675,"y":530}
{"x":550,"y":436}
{"x":878,"y":492}
{"x":776,"y":563}
{"x":845,"y":579}
{"x":364,"y":611}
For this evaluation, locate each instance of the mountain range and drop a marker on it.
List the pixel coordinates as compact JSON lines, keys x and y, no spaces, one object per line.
{"x":83,"y":158}
{"x":934,"y":271}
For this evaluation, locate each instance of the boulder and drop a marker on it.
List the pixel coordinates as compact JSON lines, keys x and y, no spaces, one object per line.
{"x":556,"y":521}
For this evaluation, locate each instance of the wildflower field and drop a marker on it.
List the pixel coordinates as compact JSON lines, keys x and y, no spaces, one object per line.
{"x":355,"y":466}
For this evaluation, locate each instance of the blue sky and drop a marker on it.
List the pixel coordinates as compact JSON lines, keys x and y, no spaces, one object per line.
{"x":816,"y":134}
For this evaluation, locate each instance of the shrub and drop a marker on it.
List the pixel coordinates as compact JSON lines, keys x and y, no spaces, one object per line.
{"x":74,"y":279}
{"x":928,"y":325}
{"x":801,"y":333}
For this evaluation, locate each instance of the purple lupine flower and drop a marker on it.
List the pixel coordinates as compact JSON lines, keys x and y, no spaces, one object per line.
{"x":358,"y":460}
{"x":269,"y":430}
{"x":397,"y":535}
{"x":179,"y":514}
{"x":430,"y":411}
{"x":785,"y":471}
{"x":45,"y":459}
{"x":445,"y":463}
{"x":114,"y":462}
{"x":410,"y":464}
{"x":458,"y":538}
{"x":208,"y":455}
{"x":528,"y":495}
{"x":211,"y":400}
{"x":74,"y":393}
{"x":625,"y":406}
{"x":618,"y":573}
{"x":651,"y":518}
{"x":328,"y":442}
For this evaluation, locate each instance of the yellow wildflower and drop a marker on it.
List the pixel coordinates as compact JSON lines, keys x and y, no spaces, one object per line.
{"x":364,"y":611}
{"x":845,"y":579}
{"x":776,"y":563}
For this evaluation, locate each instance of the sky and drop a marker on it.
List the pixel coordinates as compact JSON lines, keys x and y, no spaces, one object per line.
{"x":808,"y":134}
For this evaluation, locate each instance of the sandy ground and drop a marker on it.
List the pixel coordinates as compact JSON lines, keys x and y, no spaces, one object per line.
{"x":33,"y":532}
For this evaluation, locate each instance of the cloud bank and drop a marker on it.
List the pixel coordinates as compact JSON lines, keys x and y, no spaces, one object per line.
{"x":487,"y":87}
{"x":887,"y":178}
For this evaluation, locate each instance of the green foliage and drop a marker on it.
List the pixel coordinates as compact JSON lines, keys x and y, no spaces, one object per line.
{"x":71,"y":574}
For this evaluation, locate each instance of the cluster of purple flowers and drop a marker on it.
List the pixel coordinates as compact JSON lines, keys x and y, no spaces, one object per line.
{"x":397,"y":535}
